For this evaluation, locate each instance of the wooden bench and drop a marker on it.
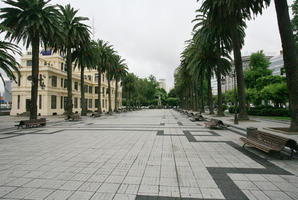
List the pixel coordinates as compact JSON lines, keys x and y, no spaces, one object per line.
{"x":215,"y":124}
{"x":31,"y":123}
{"x":73,"y":117}
{"x":197,"y":117}
{"x":268,"y":142}
{"x":96,"y":114}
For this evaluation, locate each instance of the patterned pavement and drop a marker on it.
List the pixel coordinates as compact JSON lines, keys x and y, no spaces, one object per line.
{"x":148,"y":154}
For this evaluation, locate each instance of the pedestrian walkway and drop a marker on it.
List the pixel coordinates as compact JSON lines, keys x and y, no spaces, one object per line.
{"x":148,"y":154}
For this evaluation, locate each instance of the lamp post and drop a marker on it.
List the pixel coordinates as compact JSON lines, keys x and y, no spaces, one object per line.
{"x":236,"y":115}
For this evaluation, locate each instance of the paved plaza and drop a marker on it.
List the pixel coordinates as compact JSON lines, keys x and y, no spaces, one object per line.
{"x":148,"y":154}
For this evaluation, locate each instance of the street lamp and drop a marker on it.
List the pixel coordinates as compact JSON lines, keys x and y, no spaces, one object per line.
{"x":236,"y":115}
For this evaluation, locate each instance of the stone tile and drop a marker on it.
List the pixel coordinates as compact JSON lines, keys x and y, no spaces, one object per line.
{"x":19,"y":193}
{"x":102,"y":196}
{"x":124,"y":197}
{"x":5,"y":190}
{"x":277,"y":195}
{"x":71,"y":185}
{"x":89,"y":186}
{"x":80,"y":195}
{"x":59,"y":195}
{"x":211,"y":193}
{"x":39,"y":194}
{"x":108,"y":188}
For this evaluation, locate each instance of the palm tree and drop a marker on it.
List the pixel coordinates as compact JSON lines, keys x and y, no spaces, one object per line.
{"x":290,"y":58}
{"x":75,"y":33}
{"x":110,"y":67}
{"x":33,"y":21}
{"x":7,"y":61}
{"x":84,"y":57}
{"x":129,"y":84}
{"x":230,"y":16}
{"x":120,"y":73}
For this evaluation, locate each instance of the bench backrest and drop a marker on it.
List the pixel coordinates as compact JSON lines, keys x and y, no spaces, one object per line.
{"x":272,"y":140}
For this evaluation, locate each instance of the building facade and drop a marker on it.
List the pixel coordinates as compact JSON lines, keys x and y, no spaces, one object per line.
{"x":228,"y":81}
{"x":52,"y":89}
{"x":277,"y":65}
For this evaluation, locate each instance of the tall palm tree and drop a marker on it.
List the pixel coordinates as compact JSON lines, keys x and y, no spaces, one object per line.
{"x":230,"y":15}
{"x":119,"y":74}
{"x":33,"y":21}
{"x":7,"y":61}
{"x":129,"y":86}
{"x":84,"y":57}
{"x":110,"y":67}
{"x":74,"y":34}
{"x":290,"y":58}
{"x":104,"y":58}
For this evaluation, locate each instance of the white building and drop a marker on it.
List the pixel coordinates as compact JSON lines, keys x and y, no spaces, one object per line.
{"x":162,"y":84}
{"x":277,"y":65}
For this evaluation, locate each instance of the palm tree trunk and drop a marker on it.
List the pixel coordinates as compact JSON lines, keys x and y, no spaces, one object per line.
{"x":290,"y":58}
{"x":99,"y":109}
{"x":35,"y":71}
{"x":109,"y":89}
{"x":191,"y":96}
{"x":210,"y":100}
{"x":239,"y":71}
{"x":202,"y":110}
{"x":69,"y":82}
{"x":83,"y":102}
{"x":196,"y":94}
{"x":219,"y":94}
{"x":116,"y":95}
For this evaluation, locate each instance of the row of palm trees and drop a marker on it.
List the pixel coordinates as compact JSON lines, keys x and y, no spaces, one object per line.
{"x":36,"y":22}
{"x":219,"y":31}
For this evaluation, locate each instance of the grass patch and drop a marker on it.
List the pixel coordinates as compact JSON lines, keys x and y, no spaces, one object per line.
{"x":275,"y":117}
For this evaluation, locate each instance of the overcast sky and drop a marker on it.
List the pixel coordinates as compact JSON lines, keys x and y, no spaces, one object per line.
{"x":150,"y":34}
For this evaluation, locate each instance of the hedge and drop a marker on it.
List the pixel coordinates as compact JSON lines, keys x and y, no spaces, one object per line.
{"x":265,"y":111}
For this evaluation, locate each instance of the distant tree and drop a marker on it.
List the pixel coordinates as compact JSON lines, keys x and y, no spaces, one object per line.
{"x":258,"y":68}
{"x":172,"y":93}
{"x":268,"y":80}
{"x":278,"y":93}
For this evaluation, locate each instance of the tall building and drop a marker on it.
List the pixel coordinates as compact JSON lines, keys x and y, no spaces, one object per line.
{"x":52,"y":89}
{"x":228,"y":81}
{"x":162,"y":84}
{"x":277,"y":65}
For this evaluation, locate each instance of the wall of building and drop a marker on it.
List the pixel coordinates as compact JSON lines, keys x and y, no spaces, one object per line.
{"x":52,"y":97}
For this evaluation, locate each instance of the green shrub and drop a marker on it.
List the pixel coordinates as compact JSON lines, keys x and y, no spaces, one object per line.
{"x":224,"y":107}
{"x":269,"y":111}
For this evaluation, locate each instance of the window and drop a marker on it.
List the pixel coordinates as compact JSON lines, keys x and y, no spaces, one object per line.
{"x":45,"y":63}
{"x":96,"y":103}
{"x":76,"y":102}
{"x":90,"y":103}
{"x":40,"y":101}
{"x":76,"y":86}
{"x":65,"y":101}
{"x":65,"y":67}
{"x":103,"y":103}
{"x":29,"y":62}
{"x":53,"y":102}
{"x":103,"y":77}
{"x":54,"y":81}
{"x":90,"y":89}
{"x":65,"y":83}
{"x":86,"y":88}
{"x":96,"y":90}
{"x":61,"y":82}
{"x":96,"y":77}
{"x":19,"y":81}
{"x":103,"y":91}
{"x":62,"y":67}
{"x":19,"y":100}
{"x":89,"y":77}
{"x":61,"y":102}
